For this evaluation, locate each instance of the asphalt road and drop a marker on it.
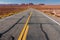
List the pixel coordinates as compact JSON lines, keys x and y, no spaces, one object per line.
{"x":40,"y":27}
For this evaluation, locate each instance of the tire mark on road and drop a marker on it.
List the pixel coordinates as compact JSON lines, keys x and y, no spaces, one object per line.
{"x":11,"y":27}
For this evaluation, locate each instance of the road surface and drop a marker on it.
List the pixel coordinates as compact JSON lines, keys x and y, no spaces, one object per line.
{"x":41,"y":27}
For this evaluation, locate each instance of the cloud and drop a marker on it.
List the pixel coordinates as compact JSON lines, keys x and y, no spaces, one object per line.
{"x":5,"y":3}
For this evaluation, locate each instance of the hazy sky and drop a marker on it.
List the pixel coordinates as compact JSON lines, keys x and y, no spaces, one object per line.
{"x":29,"y":1}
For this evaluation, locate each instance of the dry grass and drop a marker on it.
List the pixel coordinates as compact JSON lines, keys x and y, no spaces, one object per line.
{"x":9,"y":10}
{"x":48,"y":9}
{"x":6,"y":11}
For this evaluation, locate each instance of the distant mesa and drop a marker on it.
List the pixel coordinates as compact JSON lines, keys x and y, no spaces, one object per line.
{"x":23,"y":4}
{"x":41,"y":4}
{"x":27,"y":4}
{"x":19,"y":4}
{"x":31,"y":4}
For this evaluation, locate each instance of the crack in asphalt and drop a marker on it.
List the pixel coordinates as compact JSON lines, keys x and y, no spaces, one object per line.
{"x":47,"y":38}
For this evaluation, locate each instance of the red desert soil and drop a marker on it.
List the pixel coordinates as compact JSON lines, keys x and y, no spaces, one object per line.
{"x":8,"y":10}
{"x":49,"y":9}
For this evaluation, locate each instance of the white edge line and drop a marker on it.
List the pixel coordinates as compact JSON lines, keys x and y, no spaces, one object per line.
{"x":49,"y":18}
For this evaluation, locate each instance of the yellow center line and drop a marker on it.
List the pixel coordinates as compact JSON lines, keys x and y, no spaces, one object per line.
{"x":24,"y":37}
{"x":21,"y":34}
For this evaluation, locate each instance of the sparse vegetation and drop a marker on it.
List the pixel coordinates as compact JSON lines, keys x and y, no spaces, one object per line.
{"x":8,"y":10}
{"x":48,"y":9}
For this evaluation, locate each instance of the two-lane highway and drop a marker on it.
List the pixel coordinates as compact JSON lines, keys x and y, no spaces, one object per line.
{"x":40,"y":26}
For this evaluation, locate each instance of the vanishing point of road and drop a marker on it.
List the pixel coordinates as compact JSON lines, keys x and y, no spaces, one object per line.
{"x":29,"y":25}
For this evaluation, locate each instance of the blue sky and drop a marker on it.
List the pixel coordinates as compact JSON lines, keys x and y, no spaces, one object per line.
{"x":29,"y":1}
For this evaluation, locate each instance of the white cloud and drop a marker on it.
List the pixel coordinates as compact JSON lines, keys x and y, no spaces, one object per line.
{"x":5,"y":2}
